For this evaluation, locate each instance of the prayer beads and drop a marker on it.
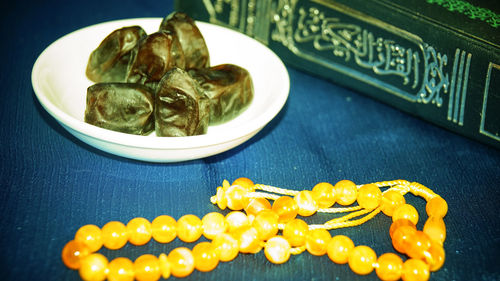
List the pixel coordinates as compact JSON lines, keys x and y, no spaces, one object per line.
{"x":346,"y":192}
{"x":436,"y":229}
{"x":93,"y":267}
{"x":369,"y":196}
{"x":406,"y":211}
{"x":90,"y":235}
{"x":114,"y":235}
{"x":295,"y":232}
{"x":147,"y":267}
{"x":258,"y":227}
{"x":361,"y":259}
{"x":317,"y":241}
{"x":390,"y":267}
{"x":181,"y":262}
{"x":324,"y":194}
{"x":266,"y":223}
{"x":121,"y":269}
{"x":307,"y":205}
{"x":205,"y":257}
{"x":339,"y":248}
{"x":73,"y":252}
{"x":164,"y":229}
{"x":189,"y":228}
{"x":213,"y":224}
{"x":286,"y":208}
{"x":139,"y":231}
{"x":277,"y":250}
{"x":390,"y":201}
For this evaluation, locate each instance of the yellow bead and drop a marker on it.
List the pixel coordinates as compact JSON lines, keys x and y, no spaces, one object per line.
{"x":307,"y":205}
{"x":390,"y":201}
{"x":114,"y":235}
{"x":164,"y":229}
{"x":91,"y":236}
{"x":236,"y":220}
{"x":226,"y":247}
{"x":205,"y":257}
{"x":435,"y":256}
{"x":225,"y":184}
{"x":181,"y":262}
{"x":121,"y":269}
{"x":436,"y":229}
{"x":246,"y":183}
{"x":256,"y":205}
{"x":390,"y":267}
{"x":346,"y":192}
{"x":339,"y":248}
{"x":400,"y":237}
{"x":398,"y":223}
{"x":248,"y":240}
{"x":213,"y":224}
{"x":406,"y":211}
{"x":165,"y":267}
{"x":236,"y":197}
{"x":221,"y":198}
{"x":369,"y":196}
{"x":277,"y":250}
{"x":286,"y":208}
{"x":295,"y":232}
{"x":324,"y":194}
{"x":251,"y":218}
{"x":147,"y":268}
{"x":415,"y":270}
{"x":417,"y":244}
{"x":317,"y":241}
{"x":139,"y":231}
{"x":436,"y":207}
{"x":362,"y":259}
{"x":73,"y":252}
{"x":93,"y":267}
{"x":266,"y":224}
{"x":189,"y":228}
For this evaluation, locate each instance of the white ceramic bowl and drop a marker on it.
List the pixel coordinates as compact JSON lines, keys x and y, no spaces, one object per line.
{"x":60,"y":84}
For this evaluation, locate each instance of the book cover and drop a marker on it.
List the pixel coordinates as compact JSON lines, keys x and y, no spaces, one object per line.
{"x":436,"y":59}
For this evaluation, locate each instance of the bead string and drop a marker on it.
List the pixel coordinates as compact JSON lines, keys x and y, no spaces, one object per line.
{"x":254,"y":224}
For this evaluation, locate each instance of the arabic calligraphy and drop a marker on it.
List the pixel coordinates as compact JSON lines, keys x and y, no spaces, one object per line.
{"x":384,"y":57}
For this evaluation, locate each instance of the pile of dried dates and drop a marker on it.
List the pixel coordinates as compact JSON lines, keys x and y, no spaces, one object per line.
{"x":162,"y":82}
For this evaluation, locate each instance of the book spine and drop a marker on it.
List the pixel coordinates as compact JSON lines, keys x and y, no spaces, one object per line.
{"x":412,"y":63}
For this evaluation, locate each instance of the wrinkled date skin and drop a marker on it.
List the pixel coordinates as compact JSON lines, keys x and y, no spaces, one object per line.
{"x":229,"y":88}
{"x":156,"y":54}
{"x":182,"y":109}
{"x":109,"y":62}
{"x":122,"y":107}
{"x":191,"y":40}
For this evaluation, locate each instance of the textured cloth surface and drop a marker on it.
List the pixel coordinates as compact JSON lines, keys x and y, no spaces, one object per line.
{"x":52,"y":183}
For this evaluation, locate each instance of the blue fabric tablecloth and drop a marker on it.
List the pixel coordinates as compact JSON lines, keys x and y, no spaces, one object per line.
{"x":52,"y":183}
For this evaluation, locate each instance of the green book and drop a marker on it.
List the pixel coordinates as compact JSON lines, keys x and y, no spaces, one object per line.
{"x":436,"y":59}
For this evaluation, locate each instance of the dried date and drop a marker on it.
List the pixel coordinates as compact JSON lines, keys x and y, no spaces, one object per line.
{"x":156,"y":54}
{"x":229,"y":88}
{"x":122,"y":107}
{"x":191,"y":40}
{"x":109,"y":62}
{"x":182,"y":108}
